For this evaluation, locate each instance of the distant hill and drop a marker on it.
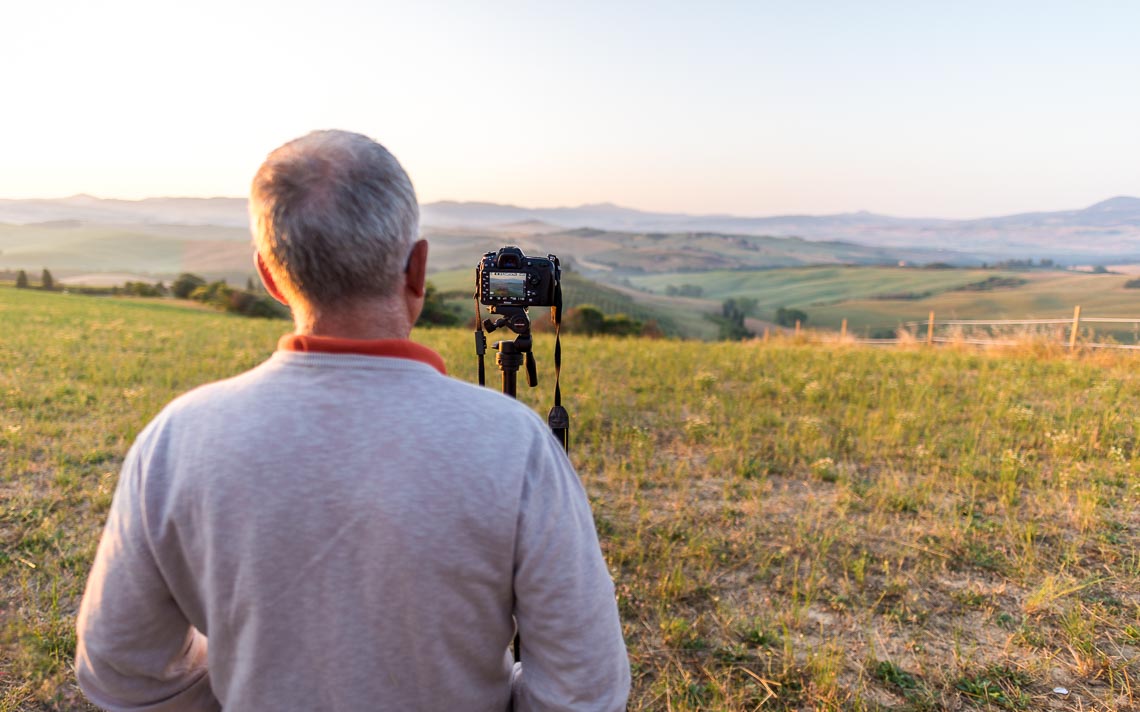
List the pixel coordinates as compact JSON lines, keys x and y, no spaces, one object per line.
{"x":72,"y":247}
{"x":1108,"y":231}
{"x":224,"y":212}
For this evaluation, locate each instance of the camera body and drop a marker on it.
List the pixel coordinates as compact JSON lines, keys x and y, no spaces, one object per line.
{"x":510,"y":278}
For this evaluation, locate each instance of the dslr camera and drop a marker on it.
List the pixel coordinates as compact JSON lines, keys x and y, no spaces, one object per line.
{"x":508,"y":278}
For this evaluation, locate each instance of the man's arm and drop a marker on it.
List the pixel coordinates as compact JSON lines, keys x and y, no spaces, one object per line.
{"x":573,"y":655}
{"x":136,"y":650}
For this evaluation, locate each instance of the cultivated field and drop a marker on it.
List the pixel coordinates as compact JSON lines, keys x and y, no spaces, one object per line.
{"x":163,"y":251}
{"x":790,"y":527}
{"x":881,"y":298}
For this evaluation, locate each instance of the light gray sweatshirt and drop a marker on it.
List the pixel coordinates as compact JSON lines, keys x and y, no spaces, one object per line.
{"x":350,"y":532}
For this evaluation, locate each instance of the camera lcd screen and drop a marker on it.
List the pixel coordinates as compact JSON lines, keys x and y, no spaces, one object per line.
{"x":508,"y":285}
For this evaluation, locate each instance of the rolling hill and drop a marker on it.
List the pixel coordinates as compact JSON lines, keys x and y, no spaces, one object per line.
{"x":625,"y":260}
{"x":1106,"y":231}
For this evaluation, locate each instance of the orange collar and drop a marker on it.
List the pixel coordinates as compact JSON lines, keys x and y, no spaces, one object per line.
{"x":393,"y":348}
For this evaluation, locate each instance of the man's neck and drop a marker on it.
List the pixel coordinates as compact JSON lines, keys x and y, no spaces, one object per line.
{"x":367,"y":320}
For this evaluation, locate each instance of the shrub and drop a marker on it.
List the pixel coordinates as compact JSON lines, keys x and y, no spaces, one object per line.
{"x":588,"y":319}
{"x":436,"y":312}
{"x":789,"y":317}
{"x":184,"y":285}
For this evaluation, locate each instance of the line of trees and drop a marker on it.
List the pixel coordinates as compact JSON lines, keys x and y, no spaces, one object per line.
{"x":584,"y":319}
{"x":47,"y":282}
{"x":589,"y":320}
{"x":218,"y":294}
{"x":254,"y":301}
{"x":141,"y":289}
{"x":685,"y":290}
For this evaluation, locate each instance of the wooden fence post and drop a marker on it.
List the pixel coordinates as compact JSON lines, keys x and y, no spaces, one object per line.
{"x":930,"y":330}
{"x":797,"y":328}
{"x":843,"y":331}
{"x":1076,"y":327}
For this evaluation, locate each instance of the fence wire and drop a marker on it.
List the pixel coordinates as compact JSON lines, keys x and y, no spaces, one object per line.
{"x":923,"y":331}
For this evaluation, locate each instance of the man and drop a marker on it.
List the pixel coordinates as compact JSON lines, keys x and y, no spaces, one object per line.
{"x":348,"y":528}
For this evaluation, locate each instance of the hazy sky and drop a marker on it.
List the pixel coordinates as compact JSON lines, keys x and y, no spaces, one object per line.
{"x":953,"y":109}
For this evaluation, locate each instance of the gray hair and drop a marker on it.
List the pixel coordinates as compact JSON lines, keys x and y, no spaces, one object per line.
{"x":334,"y":217}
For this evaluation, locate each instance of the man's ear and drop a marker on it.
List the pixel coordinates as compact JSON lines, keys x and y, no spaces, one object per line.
{"x":267,"y":279}
{"x":416,"y":272}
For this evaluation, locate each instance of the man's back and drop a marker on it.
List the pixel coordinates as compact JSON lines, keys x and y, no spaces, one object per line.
{"x":353,"y":532}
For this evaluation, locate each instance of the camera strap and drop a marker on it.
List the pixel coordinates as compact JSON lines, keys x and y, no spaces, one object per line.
{"x":559,"y":419}
{"x":480,"y":342}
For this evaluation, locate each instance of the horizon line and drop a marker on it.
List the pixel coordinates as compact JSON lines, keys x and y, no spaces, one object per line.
{"x":604,"y":204}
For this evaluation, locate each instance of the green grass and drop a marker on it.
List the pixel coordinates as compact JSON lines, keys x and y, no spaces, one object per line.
{"x":831,"y":294}
{"x":149,"y":249}
{"x":812,"y":286}
{"x":160,"y":251}
{"x":1046,"y":295}
{"x":788,"y":525}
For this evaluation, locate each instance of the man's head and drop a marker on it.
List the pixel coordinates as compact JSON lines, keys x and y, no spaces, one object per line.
{"x":334,"y":220}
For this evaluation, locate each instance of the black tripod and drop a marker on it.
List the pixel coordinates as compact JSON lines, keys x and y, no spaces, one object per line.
{"x":512,"y":354}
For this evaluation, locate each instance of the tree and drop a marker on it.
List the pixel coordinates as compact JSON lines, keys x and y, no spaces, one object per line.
{"x":436,"y":311}
{"x":685,"y":290}
{"x":621,"y":325}
{"x":46,"y":282}
{"x":584,"y":319}
{"x":142,"y":289}
{"x":731,"y":321}
{"x":747,"y":305}
{"x":22,"y":280}
{"x":215,"y":293}
{"x":185,"y":284}
{"x":652,"y":330}
{"x":265,"y":307}
{"x":789,"y":317}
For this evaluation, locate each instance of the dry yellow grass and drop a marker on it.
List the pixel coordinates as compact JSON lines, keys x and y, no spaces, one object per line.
{"x":789,"y":525}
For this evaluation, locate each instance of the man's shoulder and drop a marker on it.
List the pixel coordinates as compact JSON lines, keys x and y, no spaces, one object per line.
{"x":429,"y":389}
{"x":211,"y":390}
{"x":499,"y":409}
{"x":213,"y":395}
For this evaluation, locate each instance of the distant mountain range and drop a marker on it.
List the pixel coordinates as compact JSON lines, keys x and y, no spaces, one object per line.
{"x":223,"y":212}
{"x":1106,"y":231}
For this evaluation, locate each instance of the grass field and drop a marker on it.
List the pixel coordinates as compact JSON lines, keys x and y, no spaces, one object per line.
{"x":159,"y":250}
{"x":1046,"y":295}
{"x":790,"y":527}
{"x":877,"y":298}
{"x":812,"y":286}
